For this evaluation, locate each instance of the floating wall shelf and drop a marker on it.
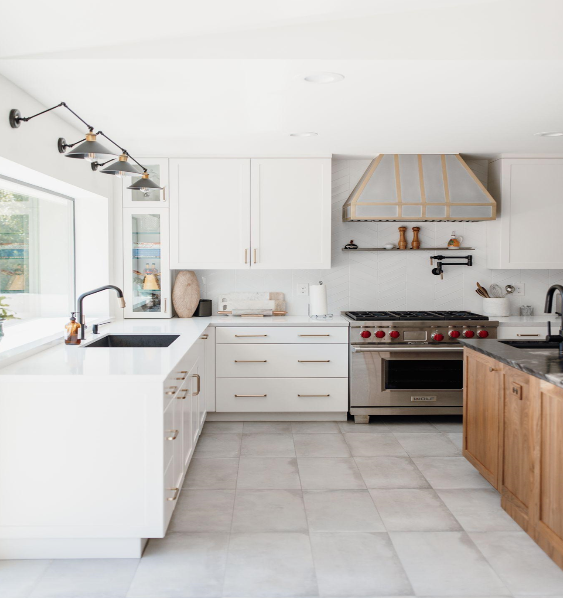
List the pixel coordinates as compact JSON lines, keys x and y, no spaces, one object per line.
{"x":409,"y":249}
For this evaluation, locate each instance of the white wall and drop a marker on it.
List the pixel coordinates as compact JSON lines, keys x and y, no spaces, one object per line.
{"x":382,"y":280}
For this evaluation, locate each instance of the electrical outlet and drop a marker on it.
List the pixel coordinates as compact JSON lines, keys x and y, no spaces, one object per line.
{"x":520,"y":288}
{"x":303,"y":288}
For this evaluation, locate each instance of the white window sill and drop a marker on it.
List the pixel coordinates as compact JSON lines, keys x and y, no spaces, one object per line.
{"x":24,"y":339}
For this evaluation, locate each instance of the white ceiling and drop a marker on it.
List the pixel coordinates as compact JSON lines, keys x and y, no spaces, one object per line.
{"x":226,"y":78}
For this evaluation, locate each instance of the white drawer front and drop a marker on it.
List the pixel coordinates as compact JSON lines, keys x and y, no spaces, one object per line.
{"x":524,"y":332}
{"x":168,"y":432}
{"x":282,"y":334}
{"x":282,"y":361}
{"x":282,"y":394}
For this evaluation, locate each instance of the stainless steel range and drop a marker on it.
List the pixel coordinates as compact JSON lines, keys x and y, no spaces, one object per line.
{"x":409,"y":362}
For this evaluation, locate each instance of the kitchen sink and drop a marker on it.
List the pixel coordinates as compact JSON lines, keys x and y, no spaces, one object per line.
{"x":134,"y":340}
{"x":532,"y":344}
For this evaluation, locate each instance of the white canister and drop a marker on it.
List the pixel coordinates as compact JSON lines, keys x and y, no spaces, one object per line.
{"x":496,"y":307}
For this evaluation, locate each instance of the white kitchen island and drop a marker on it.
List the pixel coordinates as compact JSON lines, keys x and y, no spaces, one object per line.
{"x":95,"y":442}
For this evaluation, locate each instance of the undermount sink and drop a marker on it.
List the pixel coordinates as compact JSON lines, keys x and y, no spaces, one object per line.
{"x":133,"y":340}
{"x":532,"y":344}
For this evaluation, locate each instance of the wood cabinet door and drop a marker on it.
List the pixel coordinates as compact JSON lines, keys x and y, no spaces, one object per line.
{"x":290,"y":213}
{"x":210,"y":213}
{"x":481,"y":414}
{"x":518,"y":437}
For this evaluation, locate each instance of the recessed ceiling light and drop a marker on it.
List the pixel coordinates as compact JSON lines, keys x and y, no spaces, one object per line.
{"x":550,"y":134}
{"x":324,"y":77}
{"x":306,"y":134}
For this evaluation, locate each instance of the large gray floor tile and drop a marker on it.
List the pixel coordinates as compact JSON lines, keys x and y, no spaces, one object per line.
{"x":330,"y":474}
{"x":264,"y":473}
{"x":86,"y":578}
{"x":390,"y":472}
{"x":220,"y":474}
{"x":267,"y":445}
{"x":222,"y":428}
{"x":218,"y":446}
{"x":203,"y":511}
{"x":17,"y":578}
{"x":456,"y":438}
{"x":341,"y":511}
{"x":374,"y":445}
{"x":358,"y":564}
{"x":428,"y":445}
{"x":454,"y":425}
{"x":413,"y":424}
{"x":267,"y":428}
{"x":182,"y":566}
{"x":413,"y":510}
{"x":446,"y":564}
{"x":374,"y":427}
{"x":520,"y":562}
{"x":478,"y":510}
{"x":269,"y":511}
{"x":270,"y":566}
{"x":315,"y":428}
{"x":450,"y":472}
{"x":321,"y":445}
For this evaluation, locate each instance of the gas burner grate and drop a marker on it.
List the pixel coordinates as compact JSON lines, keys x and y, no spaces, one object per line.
{"x":413,"y":315}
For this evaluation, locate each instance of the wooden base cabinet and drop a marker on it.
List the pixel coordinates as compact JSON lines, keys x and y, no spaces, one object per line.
{"x":519,"y":418}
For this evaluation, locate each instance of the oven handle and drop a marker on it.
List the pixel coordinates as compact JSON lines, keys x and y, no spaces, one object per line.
{"x":409,"y":349}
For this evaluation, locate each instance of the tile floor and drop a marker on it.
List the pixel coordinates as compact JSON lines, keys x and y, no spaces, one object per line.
{"x":319,"y":509}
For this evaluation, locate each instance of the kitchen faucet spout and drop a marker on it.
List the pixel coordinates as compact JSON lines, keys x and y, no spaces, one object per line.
{"x":81,"y":315}
{"x":548,"y":307}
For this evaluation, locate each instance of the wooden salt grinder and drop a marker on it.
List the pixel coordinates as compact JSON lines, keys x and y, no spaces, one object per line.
{"x":415,"y":239}
{"x":402,"y":239}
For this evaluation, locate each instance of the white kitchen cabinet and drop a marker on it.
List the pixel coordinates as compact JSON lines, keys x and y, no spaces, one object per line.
{"x":250,"y":213}
{"x":526,"y":234}
{"x":146,"y":269}
{"x":290,"y":213}
{"x":210,"y":213}
{"x":154,"y":198}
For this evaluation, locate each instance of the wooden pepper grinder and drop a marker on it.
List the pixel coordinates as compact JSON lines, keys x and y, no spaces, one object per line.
{"x":402,"y":238}
{"x":415,"y":239}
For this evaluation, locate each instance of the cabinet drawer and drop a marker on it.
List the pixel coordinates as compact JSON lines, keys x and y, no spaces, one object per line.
{"x":168,"y":432}
{"x":524,"y":332}
{"x":169,"y":494}
{"x":282,"y":394}
{"x":179,"y":374}
{"x":282,"y":334}
{"x":282,"y":361}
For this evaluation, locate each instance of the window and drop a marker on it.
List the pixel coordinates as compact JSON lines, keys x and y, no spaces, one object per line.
{"x":36,"y":251}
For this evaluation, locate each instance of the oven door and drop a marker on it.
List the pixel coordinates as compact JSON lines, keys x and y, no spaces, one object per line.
{"x":406,"y":376}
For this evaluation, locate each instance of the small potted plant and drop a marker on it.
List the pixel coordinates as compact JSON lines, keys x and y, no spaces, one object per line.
{"x":5,"y":314}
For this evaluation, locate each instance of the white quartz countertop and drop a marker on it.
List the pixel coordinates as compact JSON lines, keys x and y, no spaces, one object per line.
{"x":152,"y":362}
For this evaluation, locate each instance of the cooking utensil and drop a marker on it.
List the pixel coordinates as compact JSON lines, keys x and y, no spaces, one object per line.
{"x":484,"y":290}
{"x":495,"y":291}
{"x":480,"y":293}
{"x":509,"y":288}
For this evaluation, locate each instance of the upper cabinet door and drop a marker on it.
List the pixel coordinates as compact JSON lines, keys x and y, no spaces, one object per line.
{"x":291,"y":213}
{"x":154,"y":198}
{"x":210,"y":213}
{"x":527,"y":235}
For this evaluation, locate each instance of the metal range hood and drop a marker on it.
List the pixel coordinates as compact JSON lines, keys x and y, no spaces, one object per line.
{"x":419,"y":187}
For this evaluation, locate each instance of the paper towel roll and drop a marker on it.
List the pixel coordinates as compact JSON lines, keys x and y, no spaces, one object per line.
{"x":317,"y":300}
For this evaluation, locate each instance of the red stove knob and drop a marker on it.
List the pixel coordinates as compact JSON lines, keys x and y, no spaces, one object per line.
{"x":437,"y":337}
{"x":380,"y":334}
{"x":482,"y":334}
{"x":394,"y":334}
{"x":468,"y":333}
{"x":454,"y":333}
{"x":365,"y":333}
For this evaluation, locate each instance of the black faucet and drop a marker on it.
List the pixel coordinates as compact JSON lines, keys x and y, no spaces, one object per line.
{"x":548,"y":306}
{"x":81,"y":316}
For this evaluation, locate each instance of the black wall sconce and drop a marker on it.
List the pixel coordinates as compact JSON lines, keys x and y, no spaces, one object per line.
{"x":91,"y":150}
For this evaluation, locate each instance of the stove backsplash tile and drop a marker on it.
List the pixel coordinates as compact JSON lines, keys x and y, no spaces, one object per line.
{"x":387,"y":281}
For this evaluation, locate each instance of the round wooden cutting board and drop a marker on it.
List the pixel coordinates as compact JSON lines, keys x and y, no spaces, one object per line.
{"x":185,"y":294}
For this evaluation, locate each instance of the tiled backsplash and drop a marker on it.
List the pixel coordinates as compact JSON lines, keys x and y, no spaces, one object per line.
{"x":381,"y":280}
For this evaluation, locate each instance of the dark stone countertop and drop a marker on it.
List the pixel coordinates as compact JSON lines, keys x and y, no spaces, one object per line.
{"x":546,"y":364}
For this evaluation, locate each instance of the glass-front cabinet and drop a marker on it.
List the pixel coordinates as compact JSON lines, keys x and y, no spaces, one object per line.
{"x":147,"y":263}
{"x":148,"y":198}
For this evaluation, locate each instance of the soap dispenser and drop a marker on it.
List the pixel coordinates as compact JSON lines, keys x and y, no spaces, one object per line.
{"x":72,"y":328}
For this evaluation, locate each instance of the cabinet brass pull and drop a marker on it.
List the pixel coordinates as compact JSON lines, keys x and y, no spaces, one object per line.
{"x":313,"y":395}
{"x":185,"y":391}
{"x":251,"y":395}
{"x":198,"y":378}
{"x":175,"y":495}
{"x":255,"y":256}
{"x":180,"y":378}
{"x":527,"y":335}
{"x":251,"y":360}
{"x":249,"y":335}
{"x":165,"y":305}
{"x":493,"y":369}
{"x":314,"y":335}
{"x":204,"y":337}
{"x":174,"y":434}
{"x":246,"y":256}
{"x":313,"y":361}
{"x":163,"y":193}
{"x":172,"y":390}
